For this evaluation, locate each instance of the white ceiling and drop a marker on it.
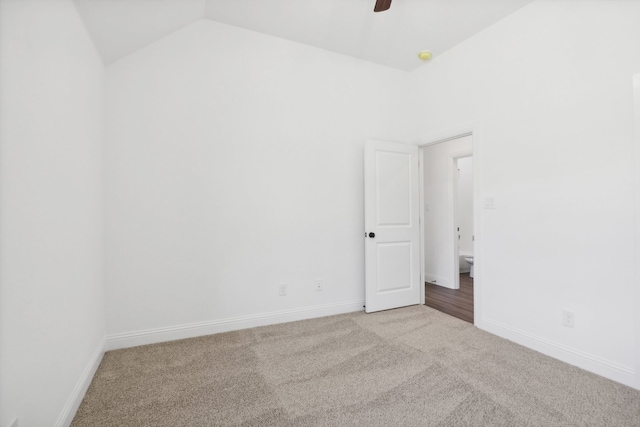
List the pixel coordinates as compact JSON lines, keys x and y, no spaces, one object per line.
{"x":350,"y":27}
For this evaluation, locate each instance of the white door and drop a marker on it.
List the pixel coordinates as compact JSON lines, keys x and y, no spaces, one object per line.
{"x":392,"y":230}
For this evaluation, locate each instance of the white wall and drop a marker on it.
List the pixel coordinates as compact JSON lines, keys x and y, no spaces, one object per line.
{"x":550,"y":89}
{"x":51,"y":295}
{"x":440,"y":252}
{"x":464,"y":205}
{"x":234,"y":163}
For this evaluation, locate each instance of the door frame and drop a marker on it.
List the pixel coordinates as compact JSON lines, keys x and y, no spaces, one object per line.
{"x":466,"y":129}
{"x":636,"y":136}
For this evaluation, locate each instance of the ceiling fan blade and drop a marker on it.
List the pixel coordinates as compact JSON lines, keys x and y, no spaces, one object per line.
{"x":382,"y":5}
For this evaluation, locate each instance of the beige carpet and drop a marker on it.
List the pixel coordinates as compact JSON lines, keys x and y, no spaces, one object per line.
{"x":408,"y":367}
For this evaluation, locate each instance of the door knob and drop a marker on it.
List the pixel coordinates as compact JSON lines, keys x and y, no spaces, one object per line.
{"x":372,"y":235}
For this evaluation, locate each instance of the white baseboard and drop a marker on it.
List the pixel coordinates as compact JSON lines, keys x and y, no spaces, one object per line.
{"x":438,"y":280}
{"x":152,"y":336}
{"x":614,"y":371}
{"x":74,"y":401}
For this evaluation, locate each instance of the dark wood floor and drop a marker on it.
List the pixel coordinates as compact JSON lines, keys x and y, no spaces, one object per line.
{"x":455,"y":302}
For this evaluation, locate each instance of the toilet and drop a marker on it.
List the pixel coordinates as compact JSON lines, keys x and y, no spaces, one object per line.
{"x":469,"y":259}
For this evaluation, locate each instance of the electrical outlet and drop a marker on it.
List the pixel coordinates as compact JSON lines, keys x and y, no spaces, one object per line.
{"x":14,"y":423}
{"x":318,"y":285}
{"x":282,"y":289}
{"x":568,"y":319}
{"x":489,"y":203}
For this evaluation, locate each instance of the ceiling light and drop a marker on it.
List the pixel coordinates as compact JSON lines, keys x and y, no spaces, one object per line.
{"x":425,"y":55}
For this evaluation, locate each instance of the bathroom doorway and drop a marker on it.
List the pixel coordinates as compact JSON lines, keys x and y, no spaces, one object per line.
{"x":448,"y":226}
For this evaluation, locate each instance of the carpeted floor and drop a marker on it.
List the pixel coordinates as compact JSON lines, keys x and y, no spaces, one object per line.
{"x":412,"y":366}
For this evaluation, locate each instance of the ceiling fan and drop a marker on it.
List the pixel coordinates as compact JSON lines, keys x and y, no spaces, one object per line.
{"x":382,"y":5}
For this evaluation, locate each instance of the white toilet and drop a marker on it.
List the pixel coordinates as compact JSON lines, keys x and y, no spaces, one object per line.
{"x":469,"y":259}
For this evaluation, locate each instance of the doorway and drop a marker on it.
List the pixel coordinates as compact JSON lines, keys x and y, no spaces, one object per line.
{"x":448,"y":217}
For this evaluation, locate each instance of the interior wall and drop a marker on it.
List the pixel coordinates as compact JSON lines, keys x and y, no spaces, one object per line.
{"x":51,"y":211}
{"x":550,"y":89}
{"x":234,"y":163}
{"x":439,"y":216}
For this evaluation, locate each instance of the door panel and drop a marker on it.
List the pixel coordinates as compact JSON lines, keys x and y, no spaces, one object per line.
{"x":392,"y":249}
{"x":394,"y":266}
{"x":393,"y":188}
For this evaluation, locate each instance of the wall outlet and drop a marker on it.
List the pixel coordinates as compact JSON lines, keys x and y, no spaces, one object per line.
{"x":318,"y":285}
{"x":489,"y":203}
{"x":568,"y":319}
{"x":282,"y":289}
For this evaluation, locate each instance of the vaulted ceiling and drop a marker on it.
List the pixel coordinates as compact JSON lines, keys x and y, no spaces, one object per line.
{"x":350,"y":27}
